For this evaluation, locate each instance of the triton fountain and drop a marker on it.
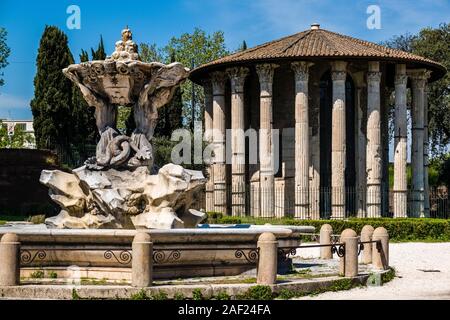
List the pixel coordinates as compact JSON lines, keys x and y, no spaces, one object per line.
{"x":116,"y":188}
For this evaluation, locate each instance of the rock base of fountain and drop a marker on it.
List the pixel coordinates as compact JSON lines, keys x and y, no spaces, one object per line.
{"x":125,"y":199}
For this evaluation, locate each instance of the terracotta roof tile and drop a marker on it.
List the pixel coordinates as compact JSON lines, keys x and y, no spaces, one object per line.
{"x":319,"y":43}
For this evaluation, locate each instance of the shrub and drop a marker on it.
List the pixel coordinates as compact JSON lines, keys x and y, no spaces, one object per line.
{"x":399,"y":229}
{"x":37,"y":219}
{"x":39,"y":274}
{"x":222,"y":295}
{"x":388,"y":276}
{"x":161,"y":295}
{"x":141,"y":295}
{"x":197,"y":294}
{"x":178,"y":296}
{"x":75,"y":295}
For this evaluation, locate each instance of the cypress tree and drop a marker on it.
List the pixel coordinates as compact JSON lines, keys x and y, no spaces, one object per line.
{"x":100,"y":53}
{"x":52,"y":102}
{"x":84,"y":56}
{"x":83,"y":115}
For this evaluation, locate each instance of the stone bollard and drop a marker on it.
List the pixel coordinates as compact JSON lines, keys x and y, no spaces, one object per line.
{"x":9,"y":260}
{"x":366,"y":235}
{"x":348,"y":266}
{"x":142,"y":260}
{"x":325,"y":238}
{"x":268,"y":258}
{"x":380,"y":253}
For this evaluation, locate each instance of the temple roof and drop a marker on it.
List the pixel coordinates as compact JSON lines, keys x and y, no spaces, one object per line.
{"x":319,"y":43}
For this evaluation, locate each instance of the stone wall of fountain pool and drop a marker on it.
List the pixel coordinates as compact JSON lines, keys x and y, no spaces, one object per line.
{"x":209,"y":250}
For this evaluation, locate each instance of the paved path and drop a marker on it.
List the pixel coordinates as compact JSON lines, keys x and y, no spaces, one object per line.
{"x":423,"y":272}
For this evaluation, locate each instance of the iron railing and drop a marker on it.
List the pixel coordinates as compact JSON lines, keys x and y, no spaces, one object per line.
{"x":280,"y":202}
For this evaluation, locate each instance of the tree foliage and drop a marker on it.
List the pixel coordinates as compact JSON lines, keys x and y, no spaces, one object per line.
{"x":100,"y":53}
{"x":192,"y":50}
{"x":151,"y":53}
{"x":52,"y":102}
{"x":432,"y":43}
{"x":242,"y":47}
{"x":4,"y":52}
{"x":435,"y":44}
{"x":87,"y":132}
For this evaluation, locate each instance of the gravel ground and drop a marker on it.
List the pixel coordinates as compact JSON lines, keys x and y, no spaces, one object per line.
{"x":422,"y":272}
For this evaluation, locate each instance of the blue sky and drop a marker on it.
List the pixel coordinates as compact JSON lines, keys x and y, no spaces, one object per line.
{"x":157,"y":21}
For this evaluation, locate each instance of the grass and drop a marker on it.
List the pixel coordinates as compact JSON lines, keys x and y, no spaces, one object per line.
{"x":39,"y":274}
{"x":90,"y":281}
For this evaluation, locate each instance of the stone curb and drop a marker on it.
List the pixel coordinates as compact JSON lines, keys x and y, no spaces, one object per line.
{"x":64,"y":292}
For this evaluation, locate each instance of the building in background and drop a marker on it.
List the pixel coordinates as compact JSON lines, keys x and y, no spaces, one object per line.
{"x":25,"y":125}
{"x":328,"y":96}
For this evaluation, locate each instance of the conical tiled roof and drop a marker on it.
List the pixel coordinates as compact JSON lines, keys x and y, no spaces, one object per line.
{"x":319,"y":43}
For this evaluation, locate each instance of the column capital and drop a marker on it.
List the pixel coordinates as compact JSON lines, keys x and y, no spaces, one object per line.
{"x":373,"y":76}
{"x":265,"y":74}
{"x":338,"y":75}
{"x":339,"y":70}
{"x":401,"y":79}
{"x":418,"y":77}
{"x":218,"y":79}
{"x":301,"y":70}
{"x":237,"y":76}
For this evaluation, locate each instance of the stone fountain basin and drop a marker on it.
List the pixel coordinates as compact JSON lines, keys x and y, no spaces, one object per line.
{"x":178,"y":253}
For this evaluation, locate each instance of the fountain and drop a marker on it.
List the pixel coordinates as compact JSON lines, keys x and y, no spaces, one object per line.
{"x":116,"y":188}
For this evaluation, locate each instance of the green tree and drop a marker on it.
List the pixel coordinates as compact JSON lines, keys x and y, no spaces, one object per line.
{"x":86,"y":133}
{"x":123,"y":114}
{"x":193,"y":50}
{"x":151,"y":53}
{"x":100,"y":53}
{"x":435,"y":44}
{"x":52,"y":102}
{"x":432,"y":43}
{"x":4,"y":53}
{"x":84,"y":56}
{"x":242,"y":47}
{"x":16,"y":139}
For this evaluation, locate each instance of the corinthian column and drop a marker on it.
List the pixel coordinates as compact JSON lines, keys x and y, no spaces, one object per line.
{"x":266,"y":170}
{"x":338,"y":148}
{"x":208,"y":116}
{"x":237,"y":76}
{"x":374,"y":157}
{"x":301,"y":139}
{"x":219,"y":169}
{"x":425,"y":153}
{"x":400,"y":137}
{"x":418,"y":80}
